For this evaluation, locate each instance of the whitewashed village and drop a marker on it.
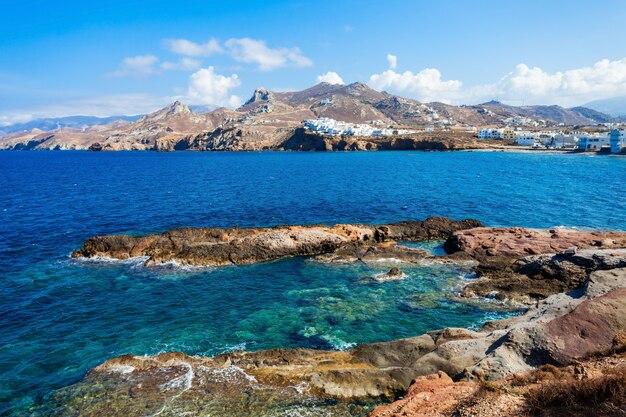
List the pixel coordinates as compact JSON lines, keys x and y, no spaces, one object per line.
{"x":609,"y":138}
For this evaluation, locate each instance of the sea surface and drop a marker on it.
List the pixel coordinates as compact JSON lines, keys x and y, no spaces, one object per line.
{"x":60,"y":317}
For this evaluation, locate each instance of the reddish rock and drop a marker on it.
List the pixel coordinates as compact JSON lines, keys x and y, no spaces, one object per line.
{"x":430,"y":395}
{"x":517,"y":242}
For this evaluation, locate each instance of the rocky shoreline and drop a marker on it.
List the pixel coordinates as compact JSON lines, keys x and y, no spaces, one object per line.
{"x":572,"y":282}
{"x":241,"y":246}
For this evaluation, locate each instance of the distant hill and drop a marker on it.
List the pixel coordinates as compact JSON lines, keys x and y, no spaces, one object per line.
{"x":75,"y":122}
{"x":268,"y":118}
{"x":553,"y":113}
{"x":615,"y":106}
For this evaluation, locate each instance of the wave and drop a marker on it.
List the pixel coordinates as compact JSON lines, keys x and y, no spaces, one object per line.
{"x":134,"y":261}
{"x":139,"y":262}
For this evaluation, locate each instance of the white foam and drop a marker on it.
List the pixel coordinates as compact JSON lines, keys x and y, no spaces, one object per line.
{"x":133,"y":260}
{"x":385,"y":277}
{"x":388,"y":260}
{"x":301,"y":388}
{"x":580,"y":228}
{"x":234,"y":348}
{"x":183,"y":382}
{"x":121,"y":369}
{"x":231,"y":373}
{"x":177,"y":265}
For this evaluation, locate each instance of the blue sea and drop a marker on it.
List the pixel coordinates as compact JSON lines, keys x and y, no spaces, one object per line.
{"x":60,"y":317}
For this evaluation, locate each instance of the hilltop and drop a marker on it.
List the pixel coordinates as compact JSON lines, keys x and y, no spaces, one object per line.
{"x":270,"y":119}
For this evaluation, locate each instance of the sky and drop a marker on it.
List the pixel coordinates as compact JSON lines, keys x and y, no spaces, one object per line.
{"x":131,"y":57}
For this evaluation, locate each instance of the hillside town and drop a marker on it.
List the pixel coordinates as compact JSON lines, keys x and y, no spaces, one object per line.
{"x":609,"y":141}
{"x":332,"y":127}
{"x":602,"y":140}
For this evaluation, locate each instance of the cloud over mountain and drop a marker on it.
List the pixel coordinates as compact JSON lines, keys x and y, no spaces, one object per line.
{"x":208,"y":87}
{"x":603,"y":79}
{"x":331,"y":77}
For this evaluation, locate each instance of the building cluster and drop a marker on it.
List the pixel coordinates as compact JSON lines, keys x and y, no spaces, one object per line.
{"x":332,"y":127}
{"x":581,"y":141}
{"x":523,"y":121}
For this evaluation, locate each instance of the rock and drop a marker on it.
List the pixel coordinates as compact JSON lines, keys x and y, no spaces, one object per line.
{"x":238,"y":246}
{"x":569,"y":251}
{"x":560,"y":259}
{"x":394,"y":274}
{"x":518,"y":242}
{"x":559,"y":330}
{"x":429,"y":396}
{"x":383,"y":253}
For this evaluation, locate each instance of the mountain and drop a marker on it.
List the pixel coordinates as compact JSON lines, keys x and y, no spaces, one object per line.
{"x":554,"y":114}
{"x":615,"y":106}
{"x":74,"y":122}
{"x":269,"y":119}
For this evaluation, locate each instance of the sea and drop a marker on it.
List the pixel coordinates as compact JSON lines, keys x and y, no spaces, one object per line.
{"x":59,"y":317}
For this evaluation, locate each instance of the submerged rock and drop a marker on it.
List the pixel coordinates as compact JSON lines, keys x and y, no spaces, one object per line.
{"x":394,"y":274}
{"x":557,"y":331}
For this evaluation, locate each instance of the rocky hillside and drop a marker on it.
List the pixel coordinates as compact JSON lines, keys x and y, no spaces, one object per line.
{"x":269,"y":119}
{"x":555,"y":114}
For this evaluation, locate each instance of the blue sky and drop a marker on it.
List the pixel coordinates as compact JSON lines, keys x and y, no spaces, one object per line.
{"x":61,"y":58}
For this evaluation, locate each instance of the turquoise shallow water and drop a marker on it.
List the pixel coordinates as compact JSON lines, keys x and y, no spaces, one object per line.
{"x":58,"y":317}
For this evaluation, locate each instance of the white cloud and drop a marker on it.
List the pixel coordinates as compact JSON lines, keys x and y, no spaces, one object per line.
{"x":604,"y":79}
{"x":257,"y":52}
{"x":138,"y":66}
{"x":393,"y":61}
{"x":532,"y":85}
{"x":207,"y":87}
{"x":184,"y":64}
{"x":330,"y":77}
{"x":426,"y":85}
{"x":189,"y":48}
{"x":148,"y":65}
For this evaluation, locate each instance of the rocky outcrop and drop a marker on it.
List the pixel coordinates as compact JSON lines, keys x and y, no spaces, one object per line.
{"x":530,"y":264}
{"x":434,"y":395}
{"x":238,"y":246}
{"x":303,"y":140}
{"x":591,"y":387}
{"x":513,"y":242}
{"x":558,"y":331}
{"x":394,"y":274}
{"x":574,"y":282}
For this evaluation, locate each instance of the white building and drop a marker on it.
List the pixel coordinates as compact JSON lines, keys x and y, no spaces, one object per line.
{"x":332,"y":127}
{"x":524,"y":138}
{"x":490,"y":134}
{"x":618,"y":141}
{"x":593,"y":143}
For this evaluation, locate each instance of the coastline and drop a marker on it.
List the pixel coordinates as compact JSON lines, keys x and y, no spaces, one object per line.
{"x":371,"y":373}
{"x":127,"y":198}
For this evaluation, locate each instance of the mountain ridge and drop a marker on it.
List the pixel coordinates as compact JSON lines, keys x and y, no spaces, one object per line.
{"x":269,"y":117}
